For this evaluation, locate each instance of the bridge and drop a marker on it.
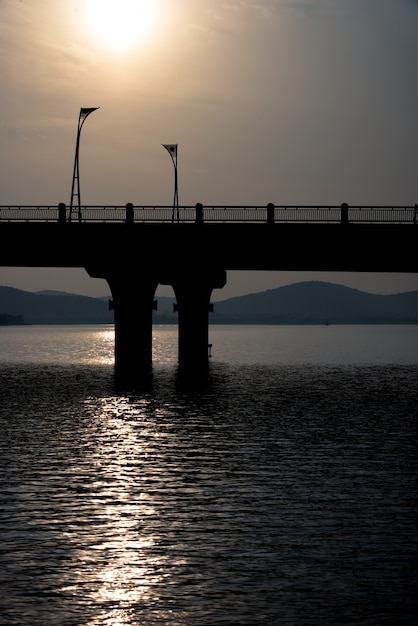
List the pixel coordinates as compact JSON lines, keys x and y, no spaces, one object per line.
{"x":191,"y":248}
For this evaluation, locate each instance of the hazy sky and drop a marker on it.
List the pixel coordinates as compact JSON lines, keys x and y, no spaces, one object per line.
{"x":284,"y":101}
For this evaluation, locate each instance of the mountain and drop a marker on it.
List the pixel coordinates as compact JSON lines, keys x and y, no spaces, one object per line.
{"x":11,"y":320}
{"x":312,"y":302}
{"x":318,"y":302}
{"x":60,"y":308}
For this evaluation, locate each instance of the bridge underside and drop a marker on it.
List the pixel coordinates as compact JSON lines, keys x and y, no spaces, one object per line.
{"x":194,"y":259}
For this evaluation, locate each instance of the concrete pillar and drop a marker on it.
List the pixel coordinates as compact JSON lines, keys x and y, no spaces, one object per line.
{"x":132,"y":302}
{"x":133,"y":305}
{"x":193,"y":292}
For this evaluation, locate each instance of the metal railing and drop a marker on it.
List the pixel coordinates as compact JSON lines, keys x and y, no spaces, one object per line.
{"x":210,"y":214}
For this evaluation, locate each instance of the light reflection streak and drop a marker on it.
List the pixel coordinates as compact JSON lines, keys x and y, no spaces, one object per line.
{"x":101,"y":350}
{"x":121,"y":569}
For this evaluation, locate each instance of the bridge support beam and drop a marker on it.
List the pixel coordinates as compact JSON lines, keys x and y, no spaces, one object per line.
{"x":133,"y":306}
{"x":193,"y":292}
{"x":133,"y":301}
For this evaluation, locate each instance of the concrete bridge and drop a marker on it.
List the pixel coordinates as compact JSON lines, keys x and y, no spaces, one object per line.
{"x":191,"y":248}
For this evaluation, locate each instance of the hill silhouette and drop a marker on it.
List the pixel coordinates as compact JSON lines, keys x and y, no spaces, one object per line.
{"x":311,"y":302}
{"x":54,"y":307}
{"x":316,"y":302}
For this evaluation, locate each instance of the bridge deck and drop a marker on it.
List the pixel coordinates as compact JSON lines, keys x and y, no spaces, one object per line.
{"x":371,"y":247}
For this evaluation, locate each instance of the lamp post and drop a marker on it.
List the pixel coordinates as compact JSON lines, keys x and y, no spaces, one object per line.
{"x":172,"y":150}
{"x":75,"y":188}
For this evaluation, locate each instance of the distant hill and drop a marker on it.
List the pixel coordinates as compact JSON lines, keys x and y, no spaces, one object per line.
{"x":60,"y":308}
{"x":317,"y":302}
{"x":11,"y":320}
{"x":312,"y":302}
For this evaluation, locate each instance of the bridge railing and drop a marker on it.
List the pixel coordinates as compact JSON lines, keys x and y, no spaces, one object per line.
{"x":209,"y":214}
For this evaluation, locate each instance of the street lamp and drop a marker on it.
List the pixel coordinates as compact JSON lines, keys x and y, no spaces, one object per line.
{"x":75,"y":188}
{"x":172,"y":149}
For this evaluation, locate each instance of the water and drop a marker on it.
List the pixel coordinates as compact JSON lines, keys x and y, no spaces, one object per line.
{"x":282,"y":491}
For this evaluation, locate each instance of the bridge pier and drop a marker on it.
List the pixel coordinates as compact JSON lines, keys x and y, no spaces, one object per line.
{"x":133,"y":323}
{"x":132,"y":302}
{"x":193,"y":291}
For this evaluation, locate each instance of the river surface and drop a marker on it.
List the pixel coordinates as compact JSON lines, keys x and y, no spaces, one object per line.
{"x":281,"y":491}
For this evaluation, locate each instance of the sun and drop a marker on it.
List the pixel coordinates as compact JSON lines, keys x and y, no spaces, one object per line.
{"x":120,"y":24}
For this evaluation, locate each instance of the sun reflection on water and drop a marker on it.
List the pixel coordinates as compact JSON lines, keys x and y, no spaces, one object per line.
{"x":121,"y":567}
{"x":100,"y":347}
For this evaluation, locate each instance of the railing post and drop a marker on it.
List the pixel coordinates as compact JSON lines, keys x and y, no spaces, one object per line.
{"x":129,"y":213}
{"x":199,"y":213}
{"x":344,"y":213}
{"x":270,"y":213}
{"x":416,"y":214}
{"x":62,"y":210}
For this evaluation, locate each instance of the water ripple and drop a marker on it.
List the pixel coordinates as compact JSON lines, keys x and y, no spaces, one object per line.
{"x":281,"y":495}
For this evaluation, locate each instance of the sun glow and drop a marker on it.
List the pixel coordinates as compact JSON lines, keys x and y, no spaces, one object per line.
{"x":120,"y":24}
